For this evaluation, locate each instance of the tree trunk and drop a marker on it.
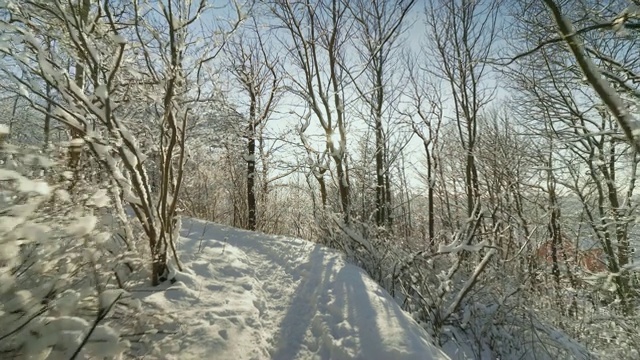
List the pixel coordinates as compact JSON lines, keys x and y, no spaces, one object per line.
{"x":343,"y":186}
{"x":430,"y":197}
{"x":387,"y":187}
{"x":381,"y":201}
{"x":323,"y":192}
{"x":251,"y":167}
{"x":47,"y":120}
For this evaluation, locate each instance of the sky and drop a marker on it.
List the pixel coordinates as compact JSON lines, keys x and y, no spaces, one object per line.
{"x":287,"y":116}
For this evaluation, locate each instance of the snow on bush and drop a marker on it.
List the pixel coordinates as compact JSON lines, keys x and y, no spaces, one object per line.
{"x":58,"y":291}
{"x":459,"y":293}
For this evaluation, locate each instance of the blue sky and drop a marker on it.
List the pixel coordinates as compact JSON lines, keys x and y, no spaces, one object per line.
{"x":284,"y":120}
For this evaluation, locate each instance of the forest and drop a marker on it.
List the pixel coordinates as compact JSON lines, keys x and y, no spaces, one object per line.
{"x":476,"y":158}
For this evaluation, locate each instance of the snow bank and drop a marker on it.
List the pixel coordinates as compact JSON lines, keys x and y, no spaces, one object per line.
{"x":253,"y":296}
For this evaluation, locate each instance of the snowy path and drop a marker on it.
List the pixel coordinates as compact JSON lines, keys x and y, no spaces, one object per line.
{"x":253,"y":296}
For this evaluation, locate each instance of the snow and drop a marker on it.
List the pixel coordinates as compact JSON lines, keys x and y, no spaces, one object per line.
{"x":36,"y":186}
{"x":109,"y":297}
{"x":118,"y":39}
{"x":67,"y":302}
{"x":99,"y":199}
{"x":83,"y":226}
{"x":68,"y":323}
{"x":20,"y":301}
{"x":23,"y":90}
{"x":102,"y":92}
{"x":105,"y":342}
{"x":245,"y":295}
{"x":76,"y":142}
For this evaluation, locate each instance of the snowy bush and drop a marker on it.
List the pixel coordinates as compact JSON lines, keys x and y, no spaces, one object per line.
{"x":597,"y":320}
{"x":465,"y":299}
{"x":58,"y":290}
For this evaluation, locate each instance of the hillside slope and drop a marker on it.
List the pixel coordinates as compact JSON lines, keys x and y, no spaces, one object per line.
{"x":246,"y":295}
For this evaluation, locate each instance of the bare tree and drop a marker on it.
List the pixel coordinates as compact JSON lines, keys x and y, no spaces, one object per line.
{"x":463,"y":36}
{"x":379,"y":25}
{"x":256,"y":70}
{"x":426,"y":112}
{"x":317,"y":34}
{"x":96,"y":108}
{"x":600,"y":84}
{"x":583,"y":110}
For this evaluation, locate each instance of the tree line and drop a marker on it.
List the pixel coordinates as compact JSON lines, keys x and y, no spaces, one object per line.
{"x":472,"y":156}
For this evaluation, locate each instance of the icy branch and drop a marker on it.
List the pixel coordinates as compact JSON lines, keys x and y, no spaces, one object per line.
{"x":600,"y":85}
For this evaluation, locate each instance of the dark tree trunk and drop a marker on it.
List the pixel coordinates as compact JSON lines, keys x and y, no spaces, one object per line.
{"x":251,"y":166}
{"x":471,"y":181}
{"x":430,"y":197}
{"x":382,"y":200}
{"x":381,"y":208}
{"x":343,"y":186}
{"x":47,"y":120}
{"x":555,"y":237}
{"x":251,"y":194}
{"x":323,"y":191}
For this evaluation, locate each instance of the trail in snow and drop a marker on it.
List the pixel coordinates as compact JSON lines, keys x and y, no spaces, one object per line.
{"x":251,"y":296}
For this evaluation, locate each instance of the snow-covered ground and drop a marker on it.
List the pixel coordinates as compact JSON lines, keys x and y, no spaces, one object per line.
{"x":245,"y":295}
